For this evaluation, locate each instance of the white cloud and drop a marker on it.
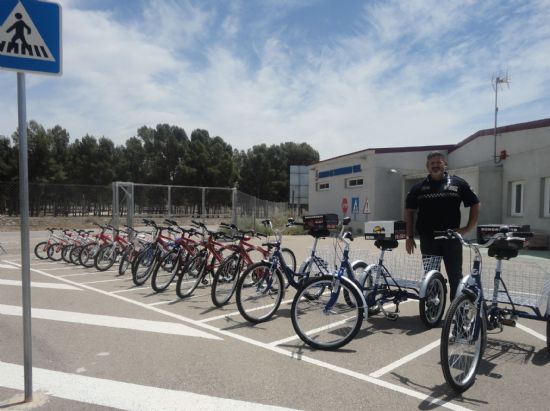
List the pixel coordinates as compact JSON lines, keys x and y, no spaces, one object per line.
{"x":409,"y":74}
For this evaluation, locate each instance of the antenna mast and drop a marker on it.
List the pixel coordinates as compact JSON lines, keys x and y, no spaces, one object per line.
{"x":497,"y":82}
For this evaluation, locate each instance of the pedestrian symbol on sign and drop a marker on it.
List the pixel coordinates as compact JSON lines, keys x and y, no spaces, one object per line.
{"x":355,"y":205}
{"x":20,"y":38}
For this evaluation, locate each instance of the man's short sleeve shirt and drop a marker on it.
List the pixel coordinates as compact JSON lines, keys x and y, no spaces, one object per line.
{"x":438,"y":203}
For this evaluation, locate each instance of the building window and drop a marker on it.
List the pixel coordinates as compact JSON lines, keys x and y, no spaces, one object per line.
{"x":322,"y":186}
{"x":517,"y":189}
{"x":354,"y":182}
{"x":546,"y":212}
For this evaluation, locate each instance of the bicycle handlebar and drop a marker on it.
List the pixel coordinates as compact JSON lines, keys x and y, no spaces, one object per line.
{"x":503,"y":234}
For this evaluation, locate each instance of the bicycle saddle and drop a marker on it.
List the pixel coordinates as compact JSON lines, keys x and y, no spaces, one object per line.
{"x":504,"y":249}
{"x":386,"y":244}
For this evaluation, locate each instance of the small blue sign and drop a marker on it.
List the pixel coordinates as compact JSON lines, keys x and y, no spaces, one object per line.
{"x":30,"y":36}
{"x":355,"y":205}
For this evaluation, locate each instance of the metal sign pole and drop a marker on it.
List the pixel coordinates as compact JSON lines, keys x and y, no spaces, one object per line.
{"x":24,"y":210}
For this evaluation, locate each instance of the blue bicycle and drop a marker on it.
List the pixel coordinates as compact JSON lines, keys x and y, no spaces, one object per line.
{"x":261,"y":287}
{"x":472,"y":314}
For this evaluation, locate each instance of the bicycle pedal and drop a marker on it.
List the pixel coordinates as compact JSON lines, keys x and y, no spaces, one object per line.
{"x":510,"y":322}
{"x":392,"y":316}
{"x":204,"y":281}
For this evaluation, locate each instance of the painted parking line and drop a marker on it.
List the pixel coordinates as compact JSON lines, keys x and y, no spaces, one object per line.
{"x":221,"y":317}
{"x":161,"y":327}
{"x":135,"y":288}
{"x":532,"y":332}
{"x":86,"y":273}
{"x":404,"y":360}
{"x":8,"y":266}
{"x":35,"y":284}
{"x":290,"y":354}
{"x":117,"y":394}
{"x":61,"y":268}
{"x":104,"y":281}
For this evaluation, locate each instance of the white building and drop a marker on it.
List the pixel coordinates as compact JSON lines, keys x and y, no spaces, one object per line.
{"x":511,"y":175}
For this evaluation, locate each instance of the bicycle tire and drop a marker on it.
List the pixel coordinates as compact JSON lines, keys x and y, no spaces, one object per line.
{"x":289,"y":257}
{"x":74,"y":255}
{"x":322,"y":329}
{"x":87,"y":255}
{"x":432,"y":305}
{"x":191,"y":274}
{"x":459,"y":369}
{"x":41,"y":250}
{"x":165,"y":272}
{"x":259,"y":292}
{"x":225,"y":279}
{"x":144,"y":265}
{"x":548,"y":335}
{"x":65,"y":256}
{"x":365,"y":282}
{"x":105,"y":257}
{"x":125,"y":261}
{"x":54,"y":251}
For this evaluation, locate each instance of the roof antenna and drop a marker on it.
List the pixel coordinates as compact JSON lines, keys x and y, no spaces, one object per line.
{"x":497,"y":82}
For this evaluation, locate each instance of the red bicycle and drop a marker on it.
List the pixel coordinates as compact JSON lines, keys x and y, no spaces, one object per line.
{"x":184,"y":248}
{"x":107,"y":255}
{"x":203,"y":263}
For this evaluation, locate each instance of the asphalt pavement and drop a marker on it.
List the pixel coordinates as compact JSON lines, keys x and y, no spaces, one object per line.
{"x":101,"y":343}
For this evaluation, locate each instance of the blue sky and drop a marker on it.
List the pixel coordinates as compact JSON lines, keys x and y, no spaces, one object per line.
{"x":341,"y":76}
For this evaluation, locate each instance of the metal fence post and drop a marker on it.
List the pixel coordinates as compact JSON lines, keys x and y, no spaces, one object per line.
{"x":115,"y":204}
{"x":234,"y":206}
{"x":169,"y":205}
{"x":203,"y":206}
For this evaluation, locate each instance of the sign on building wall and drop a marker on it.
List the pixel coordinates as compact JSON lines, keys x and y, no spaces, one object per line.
{"x":355,"y":205}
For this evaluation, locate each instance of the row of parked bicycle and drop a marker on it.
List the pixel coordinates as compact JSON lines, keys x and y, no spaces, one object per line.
{"x":333,"y":292}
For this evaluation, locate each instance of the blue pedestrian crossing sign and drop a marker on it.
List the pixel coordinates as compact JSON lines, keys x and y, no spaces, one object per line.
{"x":355,"y":205}
{"x":30,"y":36}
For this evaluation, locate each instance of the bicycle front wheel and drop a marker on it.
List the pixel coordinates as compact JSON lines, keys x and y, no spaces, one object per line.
{"x":329,"y":321}
{"x":432,"y":305}
{"x":105,"y":258}
{"x":260,"y":291}
{"x":54,"y":251}
{"x":165,"y":272}
{"x":41,"y":250}
{"x":88,"y":253}
{"x":144,"y":265}
{"x":460,"y":349}
{"x":225,"y":280}
{"x":191,"y":274}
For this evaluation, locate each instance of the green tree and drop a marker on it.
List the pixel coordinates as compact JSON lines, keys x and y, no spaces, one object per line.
{"x":264,"y":171}
{"x":210,"y":162}
{"x":8,"y":160}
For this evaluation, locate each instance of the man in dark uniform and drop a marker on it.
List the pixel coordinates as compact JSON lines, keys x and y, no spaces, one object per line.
{"x":437,"y":199}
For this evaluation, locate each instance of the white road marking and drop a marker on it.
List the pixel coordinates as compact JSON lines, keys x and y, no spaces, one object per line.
{"x":532,"y":332}
{"x":161,"y":327}
{"x":8,"y":266}
{"x":344,"y":371}
{"x":314,"y":331}
{"x":41,"y":285}
{"x":104,"y":281}
{"x":81,"y":274}
{"x":164,"y":302}
{"x":73,"y":267}
{"x":404,"y":360}
{"x":220,"y":317}
{"x":107,"y":393}
{"x":135,"y":288}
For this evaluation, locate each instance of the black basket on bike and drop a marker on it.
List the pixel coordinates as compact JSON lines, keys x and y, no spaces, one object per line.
{"x":505,"y":249}
{"x":320,"y":224}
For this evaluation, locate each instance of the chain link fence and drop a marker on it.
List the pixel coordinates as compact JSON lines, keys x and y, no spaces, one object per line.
{"x":58,"y":204}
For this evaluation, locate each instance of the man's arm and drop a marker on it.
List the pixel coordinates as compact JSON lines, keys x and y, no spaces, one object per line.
{"x":410,"y":244}
{"x":472,"y":219}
